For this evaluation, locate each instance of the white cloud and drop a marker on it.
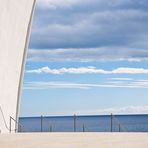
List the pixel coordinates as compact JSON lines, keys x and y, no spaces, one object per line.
{"x":89,"y":70}
{"x":81,"y":70}
{"x":53,"y":4}
{"x":119,"y":110}
{"x":125,"y":70}
{"x":123,"y":110}
{"x":120,"y":79}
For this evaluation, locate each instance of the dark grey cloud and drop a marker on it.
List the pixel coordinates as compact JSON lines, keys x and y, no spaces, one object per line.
{"x":88,"y":54}
{"x":87,"y":24}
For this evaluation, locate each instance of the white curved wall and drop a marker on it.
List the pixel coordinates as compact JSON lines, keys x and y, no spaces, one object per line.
{"x":15,"y":20}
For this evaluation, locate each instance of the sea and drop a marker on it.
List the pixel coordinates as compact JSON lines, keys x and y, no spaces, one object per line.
{"x":102,"y":123}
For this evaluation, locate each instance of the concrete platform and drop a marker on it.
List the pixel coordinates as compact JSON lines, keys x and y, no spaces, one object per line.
{"x":74,"y":140}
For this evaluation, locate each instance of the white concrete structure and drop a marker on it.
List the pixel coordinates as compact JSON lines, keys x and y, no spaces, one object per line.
{"x":15,"y":22}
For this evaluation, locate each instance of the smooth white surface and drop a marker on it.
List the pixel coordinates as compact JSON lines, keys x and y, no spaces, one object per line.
{"x":14,"y":22}
{"x":74,"y":140}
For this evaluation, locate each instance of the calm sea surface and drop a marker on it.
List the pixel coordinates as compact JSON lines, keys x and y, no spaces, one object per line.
{"x":123,"y":123}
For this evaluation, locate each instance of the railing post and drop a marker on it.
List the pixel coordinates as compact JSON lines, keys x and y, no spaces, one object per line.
{"x":41,"y":123}
{"x":50,"y":128}
{"x":20,"y":128}
{"x":111,"y":122}
{"x":10,"y":125}
{"x":119,"y":128}
{"x":74,"y":123}
{"x":83,"y":128}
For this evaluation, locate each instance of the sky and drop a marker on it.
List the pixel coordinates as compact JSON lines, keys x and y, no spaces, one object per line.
{"x":87,"y":57}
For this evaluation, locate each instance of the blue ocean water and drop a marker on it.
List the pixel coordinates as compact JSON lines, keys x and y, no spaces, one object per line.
{"x":122,"y":123}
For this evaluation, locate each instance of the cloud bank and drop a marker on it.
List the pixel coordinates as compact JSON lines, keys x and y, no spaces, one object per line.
{"x":90,"y":30}
{"x":88,"y":54}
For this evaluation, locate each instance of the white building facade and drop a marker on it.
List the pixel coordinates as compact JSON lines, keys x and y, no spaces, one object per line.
{"x":15,"y":24}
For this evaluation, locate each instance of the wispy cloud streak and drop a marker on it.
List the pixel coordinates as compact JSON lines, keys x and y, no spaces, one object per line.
{"x":70,"y":85}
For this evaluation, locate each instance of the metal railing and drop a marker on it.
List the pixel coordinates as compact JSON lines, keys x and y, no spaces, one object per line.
{"x":17,"y":125}
{"x":74,"y":124}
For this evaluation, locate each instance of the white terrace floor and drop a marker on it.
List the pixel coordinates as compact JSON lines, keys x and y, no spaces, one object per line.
{"x":74,"y":140}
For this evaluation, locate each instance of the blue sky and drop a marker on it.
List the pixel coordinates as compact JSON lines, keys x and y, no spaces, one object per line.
{"x":87,"y":57}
